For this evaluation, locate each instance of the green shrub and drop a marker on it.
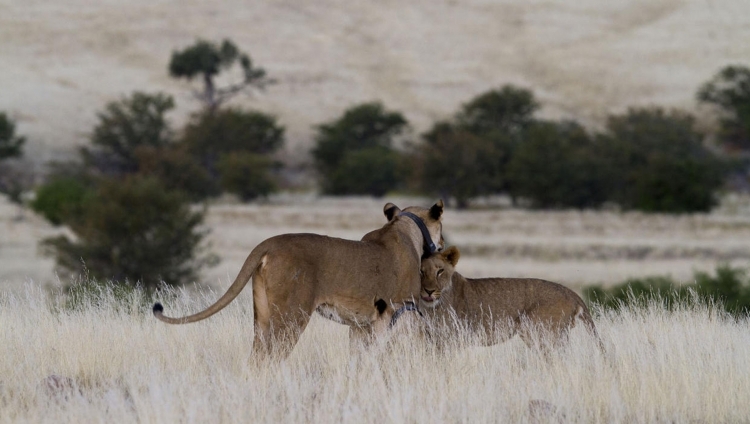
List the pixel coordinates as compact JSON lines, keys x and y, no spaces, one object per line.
{"x":126,"y":125}
{"x":247,"y":175}
{"x":177,"y":170}
{"x":454,"y":163}
{"x":342,"y":147}
{"x":227,"y":142}
{"x":659,"y":163}
{"x":558,"y":165}
{"x":372,"y":171}
{"x":729,"y":287}
{"x":210,"y":135}
{"x":60,"y":198}
{"x":133,"y":230}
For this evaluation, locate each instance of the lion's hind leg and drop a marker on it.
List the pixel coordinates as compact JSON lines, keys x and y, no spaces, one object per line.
{"x":280,"y":316}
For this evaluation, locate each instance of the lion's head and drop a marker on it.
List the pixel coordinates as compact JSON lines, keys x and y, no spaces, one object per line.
{"x":430,"y":221}
{"x":437,"y":275}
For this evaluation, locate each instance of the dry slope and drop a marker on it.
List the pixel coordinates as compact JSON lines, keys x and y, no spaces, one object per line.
{"x":61,"y":61}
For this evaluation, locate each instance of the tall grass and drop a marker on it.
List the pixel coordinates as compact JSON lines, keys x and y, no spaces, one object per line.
{"x":113,"y":362}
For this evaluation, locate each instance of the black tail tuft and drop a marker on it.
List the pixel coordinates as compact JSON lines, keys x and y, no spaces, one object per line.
{"x":158,"y":309}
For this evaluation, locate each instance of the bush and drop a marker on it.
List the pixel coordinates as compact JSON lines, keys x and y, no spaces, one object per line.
{"x":729,"y":287}
{"x":133,"y":230}
{"x":177,"y":170}
{"x":247,"y":175}
{"x":372,"y":171}
{"x":659,"y":163}
{"x":729,"y":91}
{"x":210,"y":135}
{"x":61,"y":197}
{"x":344,"y":145}
{"x":125,"y":126}
{"x":559,"y":165}
{"x":229,"y":132}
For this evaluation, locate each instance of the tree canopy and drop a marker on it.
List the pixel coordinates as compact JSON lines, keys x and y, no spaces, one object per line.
{"x":206,"y":60}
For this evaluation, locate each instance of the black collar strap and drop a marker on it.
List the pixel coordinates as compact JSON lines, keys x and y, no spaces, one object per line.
{"x":429,"y":245}
{"x":408,"y":306}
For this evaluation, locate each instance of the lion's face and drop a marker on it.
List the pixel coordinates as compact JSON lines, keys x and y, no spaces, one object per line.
{"x":437,"y":276}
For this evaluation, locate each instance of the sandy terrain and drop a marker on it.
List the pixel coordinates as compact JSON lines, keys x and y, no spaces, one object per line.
{"x":61,"y":61}
{"x":575,"y":248}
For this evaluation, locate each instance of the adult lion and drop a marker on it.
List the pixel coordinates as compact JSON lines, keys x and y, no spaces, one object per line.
{"x":498,"y":308}
{"x":353,"y":282}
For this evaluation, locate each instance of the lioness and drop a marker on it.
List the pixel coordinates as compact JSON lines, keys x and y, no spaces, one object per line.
{"x":353,"y":282}
{"x":498,"y":308}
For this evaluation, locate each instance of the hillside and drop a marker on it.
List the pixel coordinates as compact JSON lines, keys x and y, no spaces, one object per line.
{"x":61,"y":61}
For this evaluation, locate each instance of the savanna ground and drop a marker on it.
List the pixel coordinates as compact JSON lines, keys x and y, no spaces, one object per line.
{"x":110,"y":360}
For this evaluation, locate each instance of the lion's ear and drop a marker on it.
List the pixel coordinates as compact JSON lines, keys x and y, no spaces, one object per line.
{"x":390,"y":210}
{"x":436,"y":211}
{"x":452,"y":255}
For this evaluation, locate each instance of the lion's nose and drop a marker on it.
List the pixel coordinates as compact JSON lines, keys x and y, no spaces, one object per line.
{"x":429,"y":292}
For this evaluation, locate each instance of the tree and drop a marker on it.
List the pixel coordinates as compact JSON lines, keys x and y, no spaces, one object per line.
{"x":125,"y":126}
{"x":11,"y":145}
{"x":474,"y":149}
{"x":206,"y":60}
{"x":729,"y":91}
{"x":131,"y":230}
{"x":13,"y":179}
{"x":506,"y":111}
{"x":339,"y":144}
{"x":659,"y":162}
{"x":456,"y":163}
{"x":559,"y":165}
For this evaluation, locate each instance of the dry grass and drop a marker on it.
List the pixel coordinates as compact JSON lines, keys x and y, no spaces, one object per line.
{"x":116,"y":363}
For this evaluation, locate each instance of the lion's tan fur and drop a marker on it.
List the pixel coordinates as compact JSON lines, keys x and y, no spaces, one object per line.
{"x":346,"y":280}
{"x":498,"y":308}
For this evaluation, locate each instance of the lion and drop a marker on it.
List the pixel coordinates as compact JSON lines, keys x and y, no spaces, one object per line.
{"x":498,"y":308}
{"x":357,"y":283}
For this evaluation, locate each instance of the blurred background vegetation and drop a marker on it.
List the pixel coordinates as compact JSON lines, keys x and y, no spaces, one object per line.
{"x":134,"y":199}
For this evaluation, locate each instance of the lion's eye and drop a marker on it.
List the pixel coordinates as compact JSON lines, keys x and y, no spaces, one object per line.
{"x":440,"y":271}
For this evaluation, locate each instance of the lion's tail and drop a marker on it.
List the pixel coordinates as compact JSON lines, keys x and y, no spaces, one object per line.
{"x":246,"y":272}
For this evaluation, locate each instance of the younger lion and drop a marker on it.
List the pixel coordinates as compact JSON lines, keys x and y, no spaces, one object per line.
{"x":498,"y":308}
{"x":353,"y":282}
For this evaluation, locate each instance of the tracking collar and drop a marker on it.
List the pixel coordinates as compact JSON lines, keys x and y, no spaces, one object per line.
{"x":430,"y":247}
{"x":408,"y":306}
